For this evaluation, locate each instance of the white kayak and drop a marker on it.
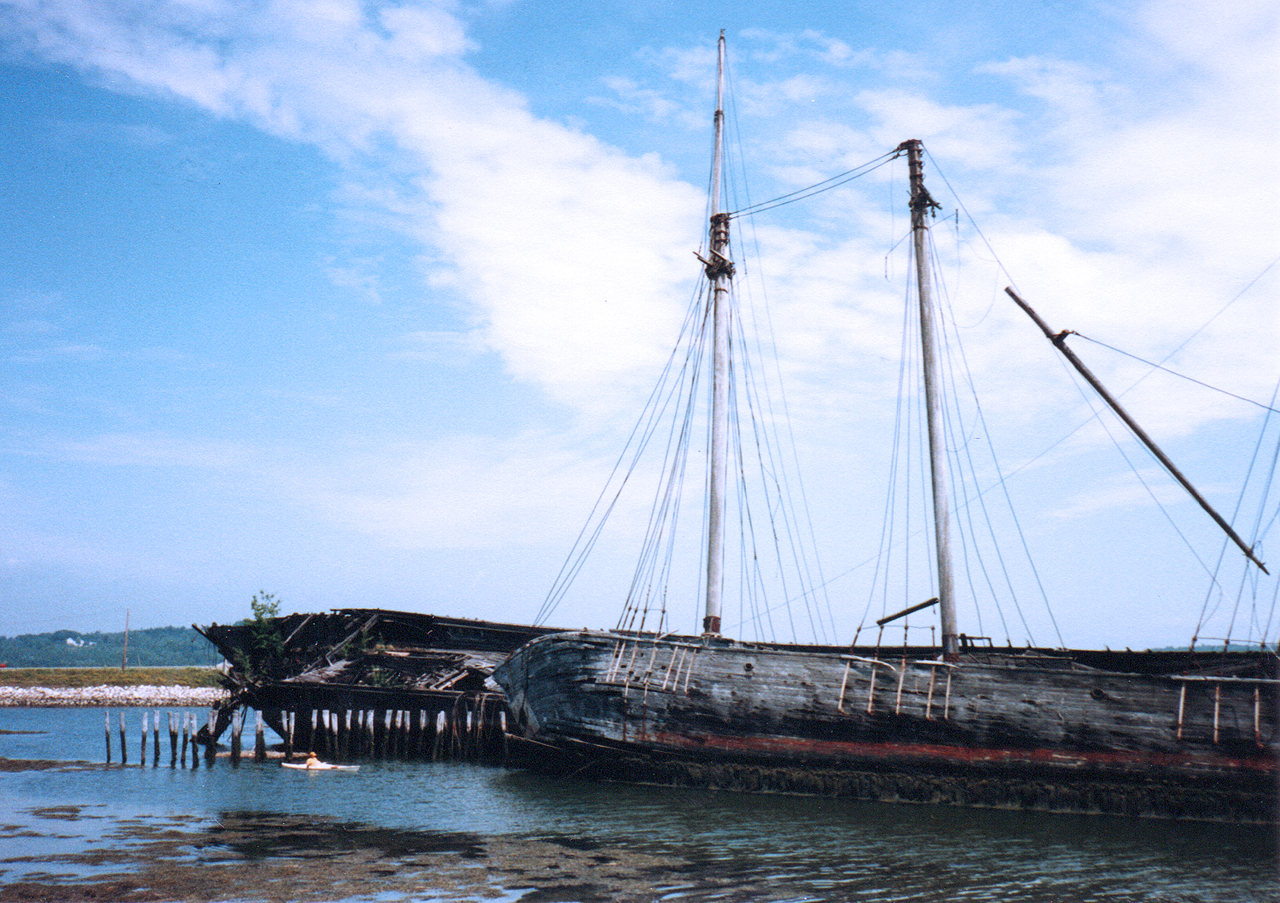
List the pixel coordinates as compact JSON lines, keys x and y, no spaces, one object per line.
{"x":319,"y":766}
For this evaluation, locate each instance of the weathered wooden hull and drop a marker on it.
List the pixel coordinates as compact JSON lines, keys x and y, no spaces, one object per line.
{"x":993,"y":729}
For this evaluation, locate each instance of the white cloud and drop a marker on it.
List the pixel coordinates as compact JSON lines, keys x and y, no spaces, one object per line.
{"x":572,"y":254}
{"x":979,"y":135}
{"x":1130,"y":200}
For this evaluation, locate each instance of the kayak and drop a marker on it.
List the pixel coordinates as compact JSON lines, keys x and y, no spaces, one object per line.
{"x":319,"y":766}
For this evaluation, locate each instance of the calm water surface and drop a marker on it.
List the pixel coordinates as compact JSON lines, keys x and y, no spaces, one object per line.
{"x":448,"y":831}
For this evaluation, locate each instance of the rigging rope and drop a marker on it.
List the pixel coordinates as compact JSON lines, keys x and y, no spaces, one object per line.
{"x":1270,"y":409}
{"x":970,"y":471}
{"x":817,"y":188}
{"x":778,"y":470}
{"x":1175,"y":372}
{"x":1260,"y":529}
{"x":650,"y":582}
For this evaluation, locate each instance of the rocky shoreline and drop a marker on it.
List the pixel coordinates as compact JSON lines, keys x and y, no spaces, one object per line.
{"x":113,"y":697}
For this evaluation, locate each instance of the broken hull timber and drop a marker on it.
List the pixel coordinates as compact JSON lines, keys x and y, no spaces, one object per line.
{"x":1025,"y":730}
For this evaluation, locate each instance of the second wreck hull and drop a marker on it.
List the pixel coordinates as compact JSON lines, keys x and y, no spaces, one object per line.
{"x":1005,"y":730}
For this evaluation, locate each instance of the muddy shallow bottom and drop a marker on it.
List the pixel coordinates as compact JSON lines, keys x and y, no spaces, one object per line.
{"x":267,"y":856}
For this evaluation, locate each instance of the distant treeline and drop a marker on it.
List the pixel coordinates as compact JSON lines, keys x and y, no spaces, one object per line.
{"x":154,"y":647}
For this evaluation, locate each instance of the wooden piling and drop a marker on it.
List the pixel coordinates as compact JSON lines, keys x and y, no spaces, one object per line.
{"x":142,"y":753}
{"x":155,"y":746}
{"x":173,"y":739}
{"x":124,"y":746}
{"x":237,"y":725}
{"x":211,"y":748}
{"x":186,"y":736}
{"x":442,"y":725}
{"x":415,"y":734}
{"x":107,"y":724}
{"x":259,"y":740}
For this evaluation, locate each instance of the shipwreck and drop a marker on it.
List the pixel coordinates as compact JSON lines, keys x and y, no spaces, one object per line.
{"x":363,"y":683}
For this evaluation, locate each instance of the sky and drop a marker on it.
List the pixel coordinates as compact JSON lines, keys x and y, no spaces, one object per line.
{"x":355,"y":303}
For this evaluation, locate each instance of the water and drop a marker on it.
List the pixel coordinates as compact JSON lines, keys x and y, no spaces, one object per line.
{"x":449,"y":831}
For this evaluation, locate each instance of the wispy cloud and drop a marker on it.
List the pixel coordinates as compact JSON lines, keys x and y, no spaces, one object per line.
{"x":1129,"y":187}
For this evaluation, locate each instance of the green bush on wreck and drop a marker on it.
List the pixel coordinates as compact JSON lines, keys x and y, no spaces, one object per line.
{"x":263,"y":652}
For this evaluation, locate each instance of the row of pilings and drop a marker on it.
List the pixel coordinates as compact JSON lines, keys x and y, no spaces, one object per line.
{"x":469,"y":727}
{"x":187,"y":737}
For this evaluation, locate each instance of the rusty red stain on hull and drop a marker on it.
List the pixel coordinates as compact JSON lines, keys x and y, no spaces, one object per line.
{"x":910,"y":753}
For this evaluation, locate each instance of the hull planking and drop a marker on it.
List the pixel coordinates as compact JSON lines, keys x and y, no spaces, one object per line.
{"x":1175,"y":735}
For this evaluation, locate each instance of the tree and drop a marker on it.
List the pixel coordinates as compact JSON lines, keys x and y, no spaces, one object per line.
{"x":265,"y":647}
{"x":264,"y":606}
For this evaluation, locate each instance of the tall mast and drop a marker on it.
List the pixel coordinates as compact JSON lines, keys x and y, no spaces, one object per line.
{"x":921,"y":205}
{"x":719,"y":271}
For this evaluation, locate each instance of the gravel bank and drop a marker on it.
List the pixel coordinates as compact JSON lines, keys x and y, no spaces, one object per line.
{"x":48,"y":697}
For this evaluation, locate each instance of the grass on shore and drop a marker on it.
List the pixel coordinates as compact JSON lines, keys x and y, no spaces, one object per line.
{"x":108,"y":677}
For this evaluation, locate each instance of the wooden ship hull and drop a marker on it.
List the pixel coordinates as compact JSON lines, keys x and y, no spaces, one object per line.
{"x":1175,"y":735}
{"x":370,"y":683}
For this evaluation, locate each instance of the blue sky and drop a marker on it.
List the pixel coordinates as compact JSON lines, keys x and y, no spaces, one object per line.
{"x":354,"y":302}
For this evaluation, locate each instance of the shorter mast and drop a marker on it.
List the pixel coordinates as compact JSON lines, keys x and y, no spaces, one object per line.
{"x":921,"y":205}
